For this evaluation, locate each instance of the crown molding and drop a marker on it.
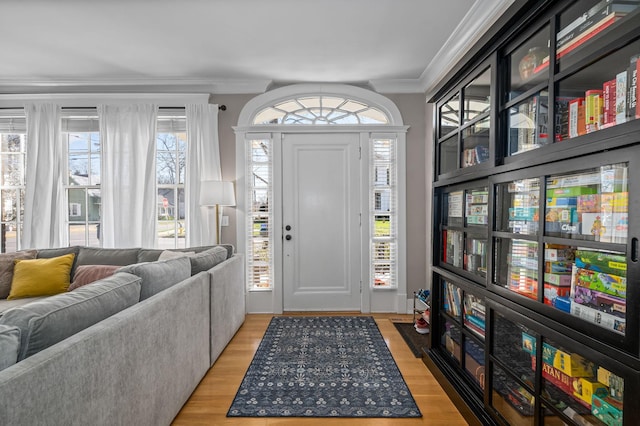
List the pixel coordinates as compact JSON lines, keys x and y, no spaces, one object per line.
{"x":482,"y":15}
{"x":116,"y":85}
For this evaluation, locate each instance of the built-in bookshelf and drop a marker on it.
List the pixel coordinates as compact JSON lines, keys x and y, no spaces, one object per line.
{"x":537,"y":151}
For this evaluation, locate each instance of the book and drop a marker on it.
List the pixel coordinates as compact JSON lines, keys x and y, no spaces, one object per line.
{"x":601,"y":261}
{"x":593,"y":110}
{"x":632,"y":88}
{"x":577,"y":125}
{"x":602,"y":319}
{"x":609,"y":103}
{"x":561,"y":121}
{"x":605,"y":283}
{"x":531,"y":123}
{"x":637,"y":91}
{"x":587,"y":35}
{"x":581,"y":36}
{"x":621,"y":98}
{"x":599,"y":300}
{"x":591,"y":16}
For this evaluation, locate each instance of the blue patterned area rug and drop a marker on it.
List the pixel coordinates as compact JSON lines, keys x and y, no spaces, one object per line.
{"x":323,"y":367}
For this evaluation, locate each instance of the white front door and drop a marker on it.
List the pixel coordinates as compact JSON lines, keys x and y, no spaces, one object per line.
{"x":321,"y":222}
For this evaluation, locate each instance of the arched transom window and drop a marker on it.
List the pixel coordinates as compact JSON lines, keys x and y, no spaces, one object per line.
{"x":321,"y":109}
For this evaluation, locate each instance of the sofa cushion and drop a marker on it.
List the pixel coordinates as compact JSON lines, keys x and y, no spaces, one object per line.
{"x":148,"y":255}
{"x":57,"y":252}
{"x":151,"y":255}
{"x":86,"y":274}
{"x":160,"y":275}
{"x":170,"y":254}
{"x":5,"y":304}
{"x":9,"y":345}
{"x":107,"y":256}
{"x":46,"y":322}
{"x":6,"y":269}
{"x":207,"y":259}
{"x":41,"y":277}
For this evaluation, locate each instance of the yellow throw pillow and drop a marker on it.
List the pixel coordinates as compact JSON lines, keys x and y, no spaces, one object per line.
{"x":41,"y":277}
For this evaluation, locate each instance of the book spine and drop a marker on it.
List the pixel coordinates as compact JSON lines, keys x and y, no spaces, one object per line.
{"x":637,"y":93}
{"x":561,"y":121}
{"x":606,"y":98}
{"x":581,"y":19}
{"x":620,"y":93}
{"x":588,"y":35}
{"x":593,"y":110}
{"x":632,"y":88}
{"x":590,"y":19}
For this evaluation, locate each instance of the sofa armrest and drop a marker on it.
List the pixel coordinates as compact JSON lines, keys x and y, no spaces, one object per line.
{"x":227,"y":302}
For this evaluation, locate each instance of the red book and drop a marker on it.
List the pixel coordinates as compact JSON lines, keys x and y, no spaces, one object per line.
{"x":637,"y":87}
{"x":607,"y":21}
{"x":604,"y":23}
{"x":609,"y":103}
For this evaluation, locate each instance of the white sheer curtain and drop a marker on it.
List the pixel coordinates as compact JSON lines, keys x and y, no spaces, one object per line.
{"x":129,"y":195}
{"x":44,"y":204}
{"x":203,"y":163}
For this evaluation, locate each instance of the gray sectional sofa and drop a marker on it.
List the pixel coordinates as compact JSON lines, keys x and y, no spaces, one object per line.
{"x":127,"y":349}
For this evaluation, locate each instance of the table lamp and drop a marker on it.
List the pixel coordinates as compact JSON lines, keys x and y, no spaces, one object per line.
{"x":217,"y":193}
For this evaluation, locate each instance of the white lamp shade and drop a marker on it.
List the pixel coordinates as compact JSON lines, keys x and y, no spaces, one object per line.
{"x":217,"y":192}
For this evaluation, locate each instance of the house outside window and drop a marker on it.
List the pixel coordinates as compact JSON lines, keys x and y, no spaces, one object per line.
{"x":384,"y":213}
{"x":171,"y":156}
{"x":12,"y":185}
{"x":260,"y":214}
{"x":83,"y":187}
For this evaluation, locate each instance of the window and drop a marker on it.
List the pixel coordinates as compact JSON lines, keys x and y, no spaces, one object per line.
{"x":12,"y":185}
{"x":320,"y":110}
{"x":171,"y":157}
{"x":260,"y":214}
{"x":83,"y":185}
{"x":383,"y":214}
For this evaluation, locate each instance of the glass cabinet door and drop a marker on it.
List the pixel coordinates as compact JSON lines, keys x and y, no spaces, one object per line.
{"x":601,"y":95}
{"x":528,"y":124}
{"x":538,"y":378}
{"x":464,"y":125}
{"x":517,"y":206}
{"x":579,"y":388}
{"x":464,"y":231}
{"x":589,"y":205}
{"x":529,"y":64}
{"x":513,"y":378}
{"x":585,"y":22}
{"x":476,"y":106}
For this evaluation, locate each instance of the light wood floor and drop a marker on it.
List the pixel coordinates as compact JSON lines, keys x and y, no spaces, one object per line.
{"x":210,"y":401}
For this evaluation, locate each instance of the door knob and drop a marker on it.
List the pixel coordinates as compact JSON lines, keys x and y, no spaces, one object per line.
{"x":288,"y":227}
{"x":287,"y":237}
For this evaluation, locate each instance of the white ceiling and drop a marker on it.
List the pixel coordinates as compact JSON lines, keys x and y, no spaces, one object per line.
{"x":235,"y":46}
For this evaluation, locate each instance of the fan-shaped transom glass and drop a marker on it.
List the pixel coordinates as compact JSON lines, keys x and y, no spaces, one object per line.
{"x":311,"y":110}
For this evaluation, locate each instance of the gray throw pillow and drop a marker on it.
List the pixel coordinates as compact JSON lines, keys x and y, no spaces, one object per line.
{"x":48,"y":321}
{"x":107,"y":256}
{"x":207,"y":259}
{"x":9,"y":345}
{"x":159,"y":275}
{"x":6,"y":269}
